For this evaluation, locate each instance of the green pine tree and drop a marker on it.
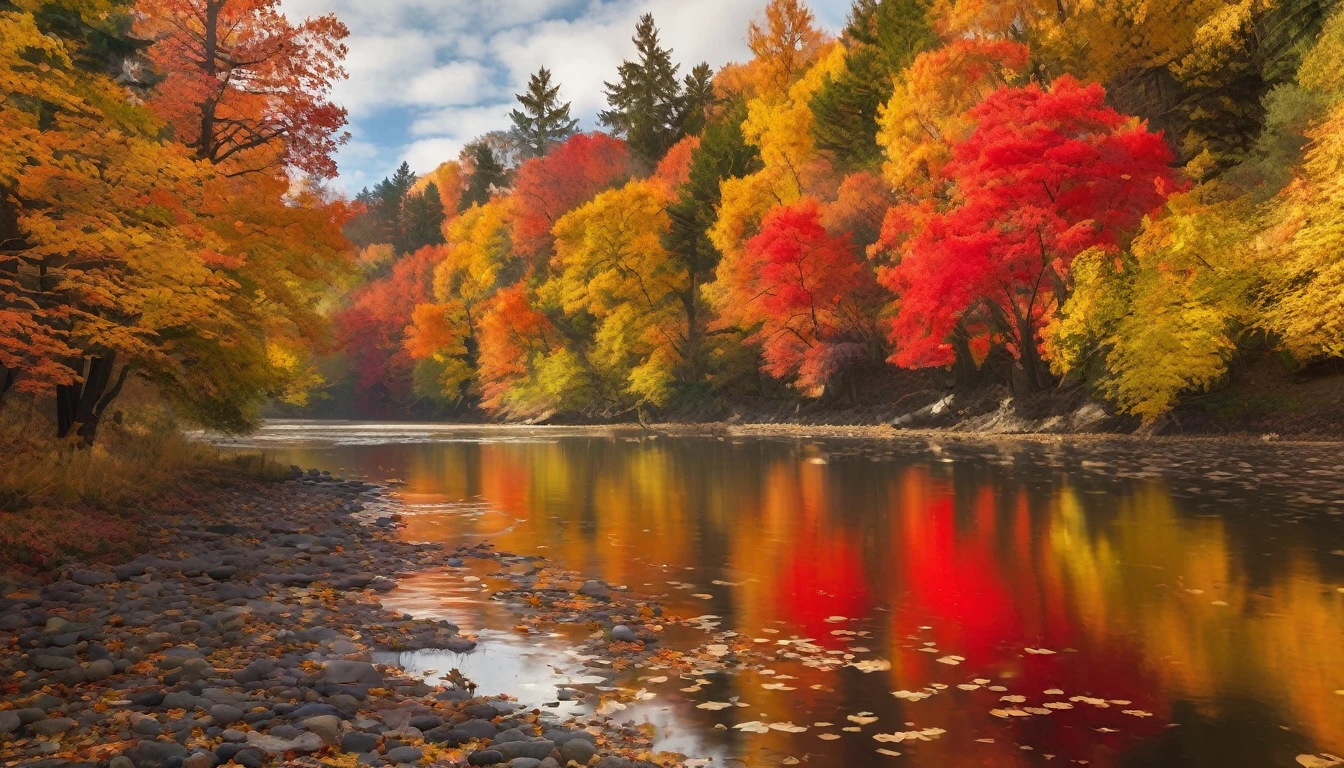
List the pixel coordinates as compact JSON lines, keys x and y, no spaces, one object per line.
{"x":646,"y":102}
{"x":486,"y":173}
{"x":422,"y":218}
{"x":883,"y":37}
{"x":543,"y":121}
{"x":697,"y":100}
{"x":723,"y":154}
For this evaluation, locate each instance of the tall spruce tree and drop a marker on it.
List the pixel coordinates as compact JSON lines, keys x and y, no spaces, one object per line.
{"x":543,"y":122}
{"x":883,"y":37}
{"x":646,"y":102}
{"x":723,"y":154}
{"x":486,"y":173}
{"x":422,"y":218}
{"x":697,"y":100}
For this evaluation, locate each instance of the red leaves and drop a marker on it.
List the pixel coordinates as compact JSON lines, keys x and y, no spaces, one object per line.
{"x":806,"y":292}
{"x":549,"y":187}
{"x":1044,"y":176}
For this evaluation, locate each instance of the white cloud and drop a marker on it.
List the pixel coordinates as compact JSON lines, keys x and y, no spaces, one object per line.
{"x":449,"y":68}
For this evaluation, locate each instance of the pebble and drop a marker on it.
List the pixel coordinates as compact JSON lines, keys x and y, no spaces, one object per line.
{"x":216,"y":637}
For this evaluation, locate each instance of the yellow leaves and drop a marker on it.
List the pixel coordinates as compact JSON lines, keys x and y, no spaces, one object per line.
{"x":781,"y":125}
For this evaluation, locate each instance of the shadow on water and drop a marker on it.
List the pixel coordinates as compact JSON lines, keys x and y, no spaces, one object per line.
{"x":1109,"y":604}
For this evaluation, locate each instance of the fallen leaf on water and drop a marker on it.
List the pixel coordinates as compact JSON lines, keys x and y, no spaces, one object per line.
{"x":703,"y":596}
{"x":1013,"y":699}
{"x":777,"y":687}
{"x":911,"y":695}
{"x":1040,"y":651}
{"x":790,"y":761}
{"x":788,"y":727}
{"x":951,"y":660}
{"x":753,"y":726}
{"x":871,"y":665}
{"x":1054,"y":692}
{"x":828,"y":736}
{"x":968,"y":686}
{"x":1058,"y":705}
{"x":889,"y":752}
{"x":1007,"y":713}
{"x":713,"y":706}
{"x":1137,"y":713}
{"x":1319,"y":761}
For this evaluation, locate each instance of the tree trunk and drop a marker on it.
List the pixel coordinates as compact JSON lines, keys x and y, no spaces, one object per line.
{"x":82,"y":404}
{"x":1030,"y":357}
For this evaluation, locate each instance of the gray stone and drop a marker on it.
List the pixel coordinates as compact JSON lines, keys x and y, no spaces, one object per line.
{"x":578,"y":750}
{"x":120,"y":761}
{"x":226,"y":714}
{"x":273,"y":745}
{"x":512,"y":734}
{"x":355,"y":741}
{"x":404,"y":755}
{"x":9,"y":723}
{"x":233,"y":736}
{"x":153,"y":754}
{"x":612,"y":761}
{"x":340,"y":671}
{"x":54,"y":726}
{"x":596,"y":590}
{"x":54,"y":662}
{"x":199,"y":760}
{"x":524,"y":762}
{"x":146,"y":726}
{"x":516,"y":749}
{"x":179,"y":700}
{"x":100,"y":670}
{"x":624,"y":634}
{"x":326,"y":726}
{"x":485,"y":757}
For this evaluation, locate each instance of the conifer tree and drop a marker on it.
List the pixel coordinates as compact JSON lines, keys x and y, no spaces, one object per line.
{"x":543,"y":121}
{"x":646,"y":101}
{"x":697,"y":100}
{"x":486,"y":173}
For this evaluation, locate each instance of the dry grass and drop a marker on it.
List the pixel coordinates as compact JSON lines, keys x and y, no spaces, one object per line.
{"x":61,"y":502}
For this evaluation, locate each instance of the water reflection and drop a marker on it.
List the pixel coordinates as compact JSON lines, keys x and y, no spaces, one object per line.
{"x":1194,"y":591}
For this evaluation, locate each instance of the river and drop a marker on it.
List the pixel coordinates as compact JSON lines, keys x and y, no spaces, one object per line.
{"x":924,"y":601}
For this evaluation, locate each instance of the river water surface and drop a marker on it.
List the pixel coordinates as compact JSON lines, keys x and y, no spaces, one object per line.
{"x":929,"y":602}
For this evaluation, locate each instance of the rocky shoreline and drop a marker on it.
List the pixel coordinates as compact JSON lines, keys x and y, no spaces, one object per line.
{"x":245,"y":638}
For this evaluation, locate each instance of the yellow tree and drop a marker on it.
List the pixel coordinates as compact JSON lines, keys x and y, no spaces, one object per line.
{"x":1304,"y":305}
{"x":1166,"y":317}
{"x":105,"y":252}
{"x":926,"y":115}
{"x":479,"y":262}
{"x":611,"y":264}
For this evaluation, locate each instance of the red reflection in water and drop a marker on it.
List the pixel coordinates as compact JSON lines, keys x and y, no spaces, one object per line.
{"x":821,"y":577}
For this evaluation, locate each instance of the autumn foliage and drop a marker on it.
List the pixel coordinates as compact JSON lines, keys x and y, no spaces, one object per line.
{"x":1126,"y":196}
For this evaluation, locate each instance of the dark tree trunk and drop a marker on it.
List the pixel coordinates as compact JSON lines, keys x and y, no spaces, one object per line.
{"x":1033,"y":368}
{"x":82,"y":404}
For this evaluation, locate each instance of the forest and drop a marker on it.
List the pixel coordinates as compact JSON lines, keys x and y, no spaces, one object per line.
{"x":1122,"y":196}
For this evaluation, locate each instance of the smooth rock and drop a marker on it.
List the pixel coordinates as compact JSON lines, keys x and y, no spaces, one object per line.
{"x":485,"y":757}
{"x":326,"y":726}
{"x":404,"y":755}
{"x":624,"y":634}
{"x":578,"y":750}
{"x":53,"y":726}
{"x":524,"y":762}
{"x":516,"y":749}
{"x":155,"y":754}
{"x":355,"y":741}
{"x":9,"y":723}
{"x":596,"y":590}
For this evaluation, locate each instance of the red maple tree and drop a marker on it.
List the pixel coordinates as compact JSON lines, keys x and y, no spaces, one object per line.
{"x":1045,"y":175}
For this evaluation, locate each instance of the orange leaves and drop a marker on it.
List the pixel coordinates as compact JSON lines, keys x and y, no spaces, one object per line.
{"x":549,"y":187}
{"x":244,"y":87}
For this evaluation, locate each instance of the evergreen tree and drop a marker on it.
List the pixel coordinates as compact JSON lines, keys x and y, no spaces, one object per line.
{"x":883,"y":37}
{"x":723,"y":154}
{"x":544,"y":121}
{"x":421,"y":222}
{"x":697,"y":100}
{"x":646,"y":102}
{"x":381,"y":220}
{"x":486,"y":173}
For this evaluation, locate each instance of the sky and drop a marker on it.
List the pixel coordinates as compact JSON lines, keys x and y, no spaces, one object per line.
{"x":428,"y":76}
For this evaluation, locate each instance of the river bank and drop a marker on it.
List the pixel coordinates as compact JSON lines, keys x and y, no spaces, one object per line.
{"x":244,"y":633}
